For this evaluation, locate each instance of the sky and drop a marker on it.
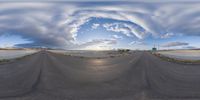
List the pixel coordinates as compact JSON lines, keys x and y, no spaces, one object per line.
{"x":100,"y":25}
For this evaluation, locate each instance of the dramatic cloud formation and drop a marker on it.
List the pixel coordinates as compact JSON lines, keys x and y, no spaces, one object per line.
{"x":128,"y":30}
{"x":57,"y":24}
{"x":174,"y":44}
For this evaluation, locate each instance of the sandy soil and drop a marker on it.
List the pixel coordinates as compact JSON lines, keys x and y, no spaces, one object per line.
{"x":182,"y":54}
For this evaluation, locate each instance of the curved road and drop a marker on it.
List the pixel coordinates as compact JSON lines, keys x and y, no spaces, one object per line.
{"x":139,"y":76}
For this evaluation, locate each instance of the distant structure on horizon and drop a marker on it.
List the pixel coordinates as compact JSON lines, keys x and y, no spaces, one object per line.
{"x":154,"y":48}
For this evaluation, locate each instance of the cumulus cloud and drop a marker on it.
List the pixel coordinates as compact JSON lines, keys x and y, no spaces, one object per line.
{"x":117,"y":37}
{"x":95,"y":26}
{"x":115,"y":27}
{"x":137,"y":43}
{"x":57,"y":24}
{"x":167,"y":35}
{"x":175,"y":44}
{"x":126,"y":29}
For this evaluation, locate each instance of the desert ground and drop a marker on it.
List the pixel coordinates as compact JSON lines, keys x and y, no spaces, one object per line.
{"x":47,"y":75}
{"x":182,"y":54}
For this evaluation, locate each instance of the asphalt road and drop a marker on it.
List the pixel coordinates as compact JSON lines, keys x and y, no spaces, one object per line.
{"x":139,"y":76}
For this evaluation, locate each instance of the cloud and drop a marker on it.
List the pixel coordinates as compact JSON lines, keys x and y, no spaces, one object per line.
{"x":137,"y":43}
{"x":95,"y":26}
{"x":167,"y":35}
{"x":96,"y":44}
{"x":126,"y":29}
{"x":152,"y":1}
{"x":190,"y":47}
{"x":35,"y":21}
{"x":117,"y":37}
{"x":175,"y":44}
{"x":158,"y":20}
{"x":115,"y":27}
{"x":56,"y":24}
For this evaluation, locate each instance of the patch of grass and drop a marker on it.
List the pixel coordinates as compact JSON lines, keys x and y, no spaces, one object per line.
{"x":4,"y":60}
{"x":82,"y":57}
{"x":122,"y":51}
{"x":176,"y":60}
{"x":99,"y":57}
{"x":112,"y":56}
{"x":67,"y":54}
